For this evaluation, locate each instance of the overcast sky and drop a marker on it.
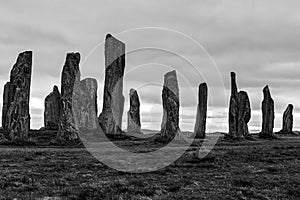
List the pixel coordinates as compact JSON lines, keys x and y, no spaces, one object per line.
{"x":202,"y":40}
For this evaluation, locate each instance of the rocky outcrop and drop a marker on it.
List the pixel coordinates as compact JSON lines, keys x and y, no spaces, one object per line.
{"x":200,"y":126}
{"x":110,"y":118}
{"x":287,"y":120}
{"x":233,"y":108}
{"x":268,"y":115}
{"x":85,"y":105}
{"x":70,"y":76}
{"x":15,"y":113}
{"x":53,"y":106}
{"x":170,"y":98}
{"x":239,"y":112}
{"x":244,"y":114}
{"x":134,"y":123}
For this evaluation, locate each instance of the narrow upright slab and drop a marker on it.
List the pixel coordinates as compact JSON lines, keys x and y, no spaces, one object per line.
{"x":16,"y":95}
{"x":244,"y":114}
{"x":268,"y":115}
{"x":134,"y":121}
{"x":200,"y":126}
{"x":170,"y":98}
{"x":85,"y":105}
{"x":287,"y":120}
{"x":233,"y":108}
{"x":53,"y":106}
{"x":70,"y":75}
{"x":110,"y":118}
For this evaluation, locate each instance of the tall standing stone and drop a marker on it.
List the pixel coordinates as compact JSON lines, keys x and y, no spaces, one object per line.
{"x":110,"y":118}
{"x":133,"y":115}
{"x":53,"y":106}
{"x":16,"y":95}
{"x":70,"y":75}
{"x":233,"y":108}
{"x":200,"y":126}
{"x":244,"y":114}
{"x":287,"y":120}
{"x":170,"y":98}
{"x":239,"y":112}
{"x":8,"y":98}
{"x":85,"y":105}
{"x":268,"y":115}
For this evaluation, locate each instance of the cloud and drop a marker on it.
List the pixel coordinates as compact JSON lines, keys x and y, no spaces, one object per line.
{"x":242,"y":36}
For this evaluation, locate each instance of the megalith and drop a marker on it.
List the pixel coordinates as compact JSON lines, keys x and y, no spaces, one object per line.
{"x":85,"y":105}
{"x":110,"y":118}
{"x":70,"y":76}
{"x":268,"y":114}
{"x":200,"y":126}
{"x":170,"y":98}
{"x":133,"y":115}
{"x":16,"y":95}
{"x":287,"y":120}
{"x":53,"y":106}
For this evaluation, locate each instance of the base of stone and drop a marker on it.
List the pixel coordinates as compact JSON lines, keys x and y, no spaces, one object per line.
{"x":268,"y":136}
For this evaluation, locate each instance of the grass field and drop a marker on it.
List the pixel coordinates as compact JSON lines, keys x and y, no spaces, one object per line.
{"x":260,"y":169}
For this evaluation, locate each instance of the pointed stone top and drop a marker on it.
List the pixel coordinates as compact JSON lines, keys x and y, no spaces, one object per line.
{"x":113,"y":39}
{"x":132,"y":91}
{"x":108,"y":35}
{"x":266,"y":88}
{"x":290,"y":107}
{"x":170,"y":77}
{"x":266,"y":91}
{"x":234,"y":90}
{"x":55,"y":88}
{"x":24,"y":56}
{"x":171,"y":73}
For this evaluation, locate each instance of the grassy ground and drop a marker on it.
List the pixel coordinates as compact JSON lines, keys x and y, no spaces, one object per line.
{"x":261,"y":169}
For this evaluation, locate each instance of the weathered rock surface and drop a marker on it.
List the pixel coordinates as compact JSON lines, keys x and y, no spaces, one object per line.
{"x":233,"y":108}
{"x":244,"y":114}
{"x":268,"y":115}
{"x":85,"y":104}
{"x":239,"y":112}
{"x":200,"y":126}
{"x":70,"y":76}
{"x":170,"y":98}
{"x":287,"y":120}
{"x":134,"y":122}
{"x":15,"y":113}
{"x":53,"y":106}
{"x":110,"y":118}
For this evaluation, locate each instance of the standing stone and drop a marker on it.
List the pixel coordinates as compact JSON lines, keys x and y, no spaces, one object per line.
{"x":134,"y":123}
{"x":70,"y":75}
{"x":244,"y":114}
{"x":15,"y":113}
{"x":52,"y":111}
{"x":8,"y":98}
{"x":170,"y":98}
{"x":287,"y":120}
{"x":85,"y":105}
{"x":110,"y":118}
{"x":200,"y":126}
{"x":268,"y":115}
{"x":233,"y":108}
{"x":239,"y":112}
